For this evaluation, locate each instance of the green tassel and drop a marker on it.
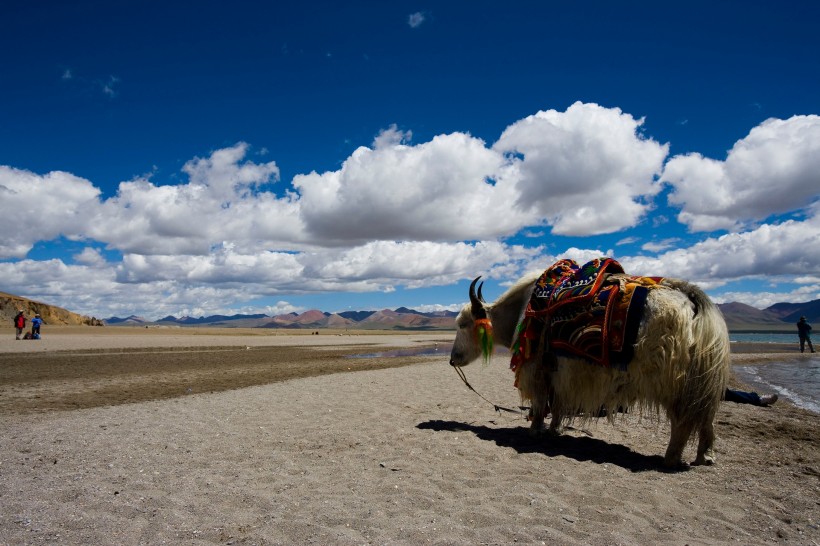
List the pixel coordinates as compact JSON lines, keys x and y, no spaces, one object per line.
{"x":486,"y":337}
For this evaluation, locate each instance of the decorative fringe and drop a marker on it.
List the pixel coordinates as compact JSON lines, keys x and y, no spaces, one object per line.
{"x":522,"y":348}
{"x":484,"y":329}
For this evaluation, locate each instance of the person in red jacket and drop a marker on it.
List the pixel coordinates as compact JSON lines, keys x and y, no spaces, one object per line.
{"x":19,"y":323}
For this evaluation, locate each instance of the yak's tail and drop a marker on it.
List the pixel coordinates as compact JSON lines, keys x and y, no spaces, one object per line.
{"x":708,"y":371}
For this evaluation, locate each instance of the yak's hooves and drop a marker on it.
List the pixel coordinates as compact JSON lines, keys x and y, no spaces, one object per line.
{"x":703,"y":461}
{"x":675,"y":465}
{"x":543,"y":432}
{"x":707,"y":458}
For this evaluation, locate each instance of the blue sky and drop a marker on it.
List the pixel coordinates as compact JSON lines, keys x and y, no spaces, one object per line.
{"x":194,"y":158}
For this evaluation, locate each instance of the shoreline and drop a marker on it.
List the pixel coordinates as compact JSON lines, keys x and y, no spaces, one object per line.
{"x":84,"y":367}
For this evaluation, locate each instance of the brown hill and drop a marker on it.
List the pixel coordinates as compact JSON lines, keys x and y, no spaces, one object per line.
{"x":410,"y":321}
{"x":741,"y":317}
{"x":309,"y":319}
{"x":314,"y":316}
{"x":51,"y":314}
{"x":791,"y":312}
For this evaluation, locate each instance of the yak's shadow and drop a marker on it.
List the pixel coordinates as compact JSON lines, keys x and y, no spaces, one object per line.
{"x":578,"y":448}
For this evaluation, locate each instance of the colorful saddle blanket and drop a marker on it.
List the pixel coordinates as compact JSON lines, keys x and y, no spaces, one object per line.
{"x":592,"y":312}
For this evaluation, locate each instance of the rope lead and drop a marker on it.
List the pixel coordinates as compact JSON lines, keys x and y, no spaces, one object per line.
{"x":498,"y":408}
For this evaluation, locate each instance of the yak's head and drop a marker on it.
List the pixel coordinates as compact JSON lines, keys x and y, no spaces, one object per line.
{"x":474,"y":336}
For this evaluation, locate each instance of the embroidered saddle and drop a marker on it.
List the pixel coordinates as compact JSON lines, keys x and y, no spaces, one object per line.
{"x":591,"y":311}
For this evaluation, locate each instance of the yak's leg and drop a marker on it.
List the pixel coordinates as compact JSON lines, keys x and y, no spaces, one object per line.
{"x":535,"y":384}
{"x":555,"y":423}
{"x":537,"y":413}
{"x":677,"y":441}
{"x":706,"y":441}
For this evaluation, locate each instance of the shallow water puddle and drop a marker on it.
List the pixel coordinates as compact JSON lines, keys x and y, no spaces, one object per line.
{"x":442,"y":349}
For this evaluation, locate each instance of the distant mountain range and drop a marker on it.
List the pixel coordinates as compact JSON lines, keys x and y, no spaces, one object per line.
{"x":739,"y":317}
{"x":779,"y":317}
{"x":398,"y":319}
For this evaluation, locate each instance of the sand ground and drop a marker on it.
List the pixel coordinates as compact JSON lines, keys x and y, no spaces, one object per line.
{"x":127,"y":436}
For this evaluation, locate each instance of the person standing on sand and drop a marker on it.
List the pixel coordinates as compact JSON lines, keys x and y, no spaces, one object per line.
{"x":36,"y":322}
{"x":19,"y":323}
{"x":804,"y":333}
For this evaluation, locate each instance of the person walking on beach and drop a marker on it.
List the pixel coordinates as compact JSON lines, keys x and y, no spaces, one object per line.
{"x":804,"y":333}
{"x":19,"y":323}
{"x":36,"y":322}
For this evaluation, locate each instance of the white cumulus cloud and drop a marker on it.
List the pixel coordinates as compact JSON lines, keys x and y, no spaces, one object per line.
{"x":585,"y":171}
{"x":773,"y":170}
{"x":224,"y":200}
{"x":788,"y":248}
{"x":42,"y":207}
{"x":439,"y":190}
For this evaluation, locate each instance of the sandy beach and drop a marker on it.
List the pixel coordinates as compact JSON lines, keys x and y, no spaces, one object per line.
{"x":138,"y":436}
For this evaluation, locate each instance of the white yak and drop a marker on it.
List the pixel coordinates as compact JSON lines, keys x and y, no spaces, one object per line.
{"x":680,"y":363}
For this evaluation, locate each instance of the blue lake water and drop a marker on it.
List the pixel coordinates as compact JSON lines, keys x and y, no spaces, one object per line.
{"x":797,"y":378}
{"x":442,"y":349}
{"x":765,"y":337}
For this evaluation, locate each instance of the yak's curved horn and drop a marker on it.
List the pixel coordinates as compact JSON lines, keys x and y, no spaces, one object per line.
{"x":475,"y":301}
{"x":480,"y":297}
{"x":473,"y":298}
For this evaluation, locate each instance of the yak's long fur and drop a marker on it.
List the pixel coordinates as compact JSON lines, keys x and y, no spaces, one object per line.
{"x":681,"y":364}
